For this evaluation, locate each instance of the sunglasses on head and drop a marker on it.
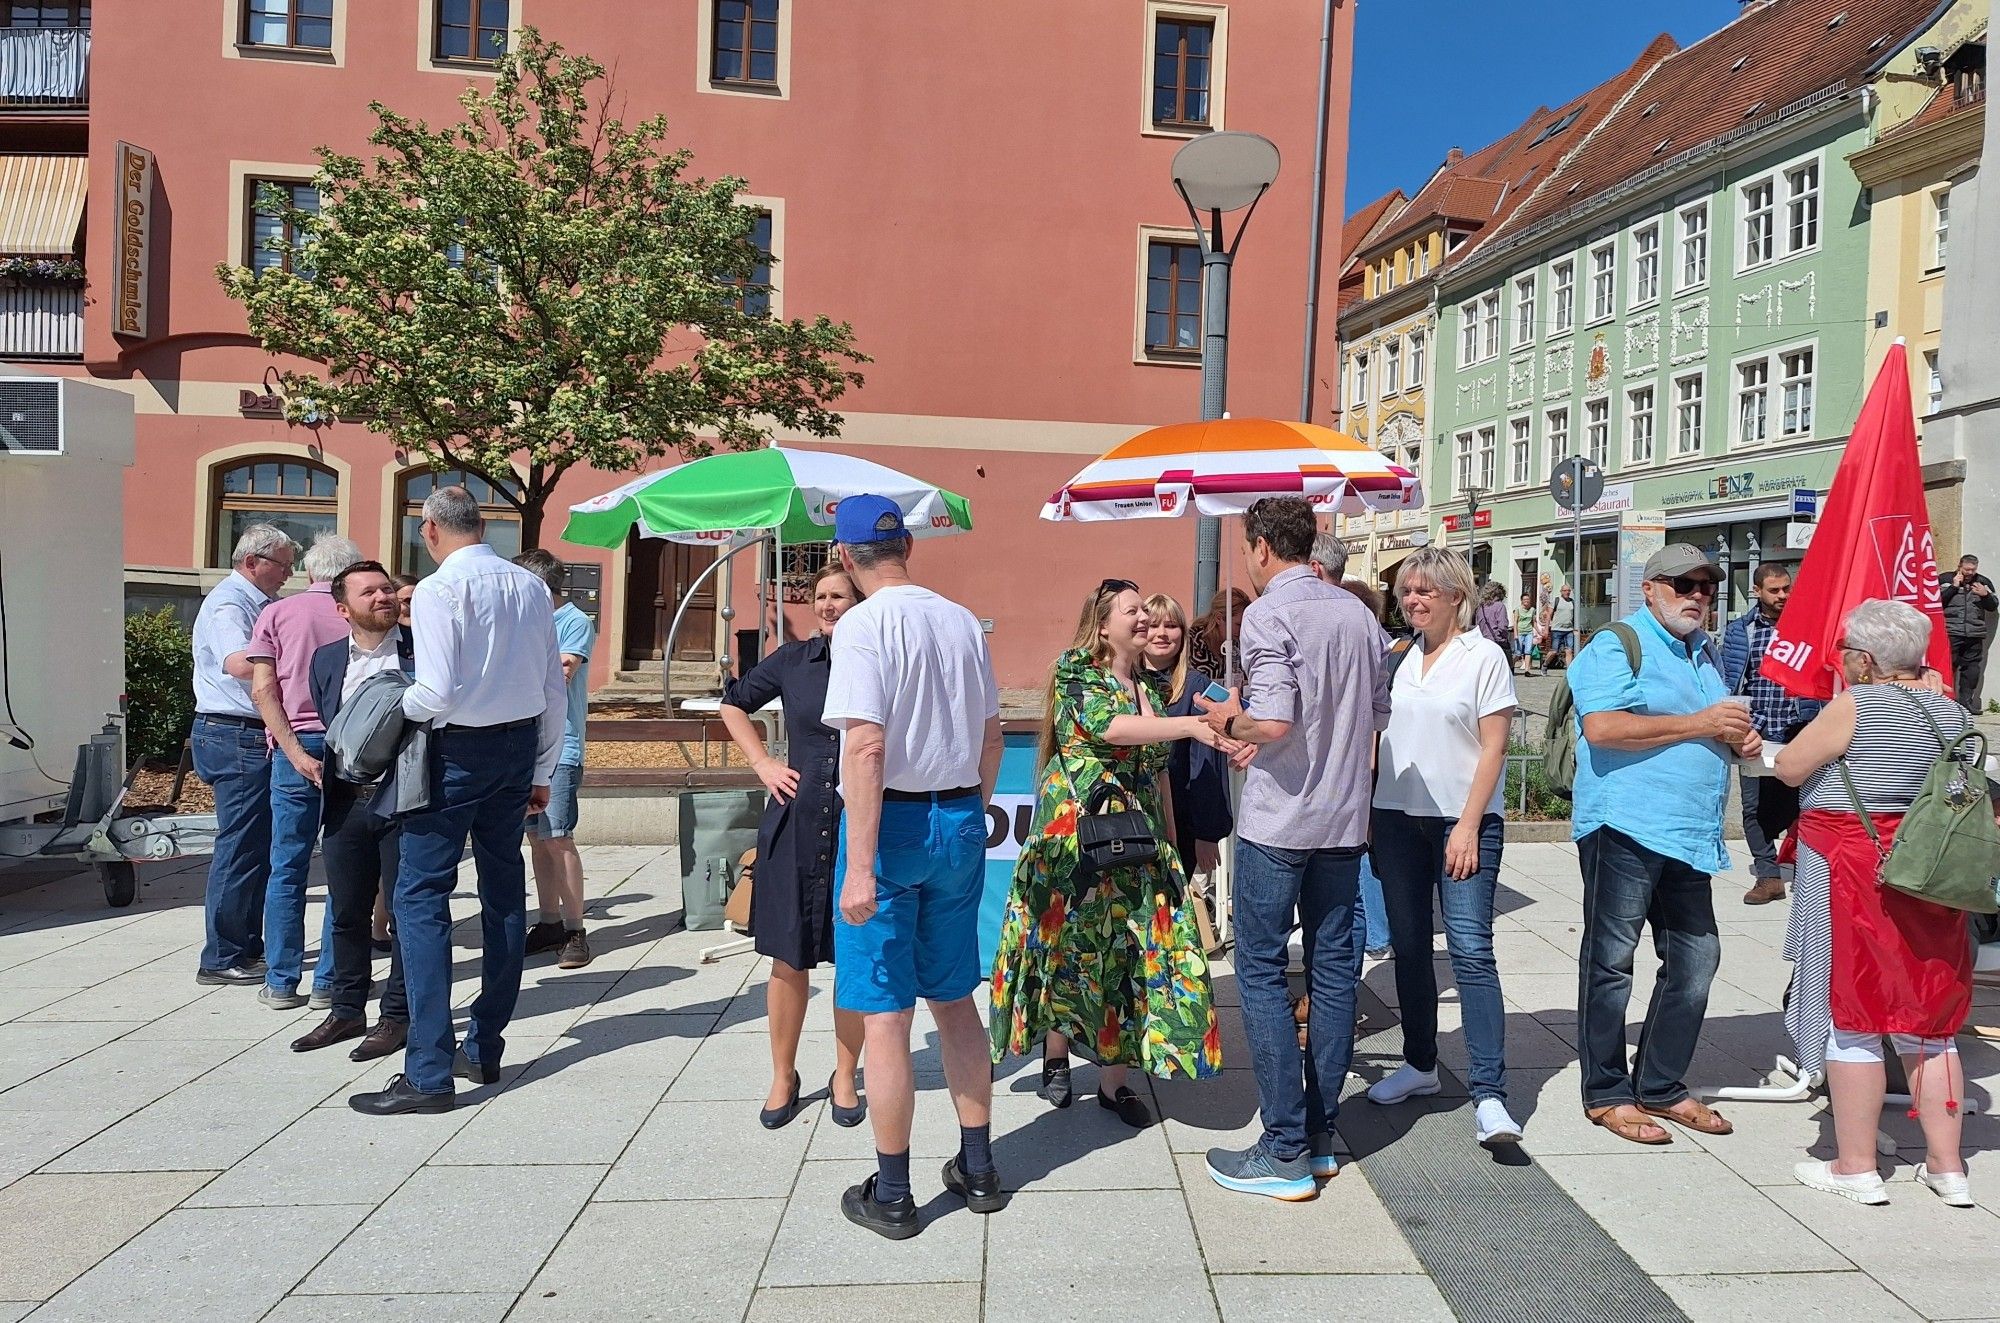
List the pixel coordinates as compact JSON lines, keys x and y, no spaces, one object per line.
{"x":1112,"y":587}
{"x":1688,"y":585}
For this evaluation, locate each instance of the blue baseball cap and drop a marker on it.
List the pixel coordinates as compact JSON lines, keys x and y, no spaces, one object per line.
{"x":867,"y":518}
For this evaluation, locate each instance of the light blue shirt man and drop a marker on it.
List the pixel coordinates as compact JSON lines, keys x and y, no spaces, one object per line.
{"x":1669,"y":799}
{"x":575,"y":637}
{"x":223,"y":627}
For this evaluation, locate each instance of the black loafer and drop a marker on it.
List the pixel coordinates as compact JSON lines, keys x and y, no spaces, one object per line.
{"x":474,"y":1072}
{"x":777,"y":1118}
{"x":234,"y":976}
{"x":387,"y":1036}
{"x":400,"y":1097}
{"x":846,"y":1117}
{"x":1131,"y":1109}
{"x":981,"y":1192}
{"x":897,"y":1221}
{"x":1055,"y":1081}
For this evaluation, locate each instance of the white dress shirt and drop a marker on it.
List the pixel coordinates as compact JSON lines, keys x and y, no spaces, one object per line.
{"x":223,"y":627}
{"x":485,"y":636}
{"x":365,"y":662}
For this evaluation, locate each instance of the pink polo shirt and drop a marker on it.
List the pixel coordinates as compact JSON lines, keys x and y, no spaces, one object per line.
{"x":287,"y":635}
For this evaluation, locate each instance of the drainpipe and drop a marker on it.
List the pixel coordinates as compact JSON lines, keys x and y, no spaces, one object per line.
{"x":1318,"y":211}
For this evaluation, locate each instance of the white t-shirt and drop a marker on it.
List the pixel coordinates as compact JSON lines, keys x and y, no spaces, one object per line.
{"x":916,"y":665}
{"x":1431,"y":748}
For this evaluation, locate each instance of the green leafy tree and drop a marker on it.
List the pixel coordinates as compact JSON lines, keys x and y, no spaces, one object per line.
{"x":539,"y":284}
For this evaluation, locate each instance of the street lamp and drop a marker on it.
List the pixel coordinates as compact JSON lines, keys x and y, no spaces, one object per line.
{"x":1473,"y":496}
{"x":1216,"y":174}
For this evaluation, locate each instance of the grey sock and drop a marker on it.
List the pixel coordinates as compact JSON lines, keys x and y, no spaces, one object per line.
{"x":549,"y":916}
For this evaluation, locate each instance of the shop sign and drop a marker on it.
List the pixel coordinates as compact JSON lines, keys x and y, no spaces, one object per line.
{"x":1798,"y":536}
{"x":259,"y":404}
{"x":1617,"y":498}
{"x":133,"y":226}
{"x":1744,"y":485}
{"x":1453,"y":523}
{"x":1404,"y":541}
{"x":1356,"y":546}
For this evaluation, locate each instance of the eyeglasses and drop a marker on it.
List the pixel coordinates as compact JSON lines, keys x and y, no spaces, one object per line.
{"x":1842,"y":645}
{"x":1689,"y":586}
{"x":1112,"y":587}
{"x":274,"y":560}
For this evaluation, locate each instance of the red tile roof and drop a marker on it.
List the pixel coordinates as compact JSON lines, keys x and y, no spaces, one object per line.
{"x":1364,"y":222}
{"x":1774,"y":54}
{"x":1944,"y":104}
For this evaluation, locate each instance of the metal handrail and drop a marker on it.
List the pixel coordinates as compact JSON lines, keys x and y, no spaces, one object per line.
{"x":680,"y":613}
{"x":44,"y":68}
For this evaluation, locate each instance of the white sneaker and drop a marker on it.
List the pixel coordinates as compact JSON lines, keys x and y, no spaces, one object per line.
{"x":1865,"y":1188}
{"x":1951,"y":1186}
{"x":1494,"y":1124}
{"x":1406,"y":1082}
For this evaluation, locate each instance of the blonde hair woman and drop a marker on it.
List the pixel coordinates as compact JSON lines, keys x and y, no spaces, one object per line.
{"x":1197,"y":775}
{"x":1112,"y":959}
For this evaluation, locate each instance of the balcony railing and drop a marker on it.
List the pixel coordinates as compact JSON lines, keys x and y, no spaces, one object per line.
{"x":40,"y":321}
{"x":44,"y":69}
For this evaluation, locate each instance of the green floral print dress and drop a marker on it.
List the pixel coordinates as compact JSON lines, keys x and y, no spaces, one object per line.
{"x":1112,"y":962}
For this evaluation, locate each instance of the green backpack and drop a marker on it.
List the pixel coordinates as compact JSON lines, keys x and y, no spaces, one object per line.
{"x":1559,"y":737}
{"x":1947,"y":850}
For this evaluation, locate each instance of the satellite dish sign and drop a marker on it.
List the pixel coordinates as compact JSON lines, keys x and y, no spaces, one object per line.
{"x":1577,"y":483}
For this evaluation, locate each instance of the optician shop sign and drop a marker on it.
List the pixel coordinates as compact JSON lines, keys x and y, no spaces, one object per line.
{"x":1742,"y":485}
{"x":133,"y":226}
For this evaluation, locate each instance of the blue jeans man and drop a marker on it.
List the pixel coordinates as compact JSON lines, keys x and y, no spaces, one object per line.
{"x":295,"y":820}
{"x":233,"y":758}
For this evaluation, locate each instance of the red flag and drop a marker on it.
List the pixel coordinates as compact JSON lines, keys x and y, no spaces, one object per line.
{"x":1874,"y":540}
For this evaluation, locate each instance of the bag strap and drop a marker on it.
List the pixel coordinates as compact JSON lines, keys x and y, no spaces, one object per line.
{"x":1075,"y":692}
{"x":1854,"y":796}
{"x":1628,"y":638}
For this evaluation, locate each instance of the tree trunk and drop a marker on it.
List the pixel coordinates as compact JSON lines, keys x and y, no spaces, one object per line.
{"x":532,"y":506}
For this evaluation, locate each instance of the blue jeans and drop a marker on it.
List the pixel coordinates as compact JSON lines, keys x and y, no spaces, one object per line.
{"x":235,"y":763}
{"x":923,"y":939}
{"x":1410,"y":851}
{"x":1373,"y":933}
{"x":1299,"y":1094}
{"x":480,"y":782}
{"x":295,"y":816}
{"x":1626,"y":886}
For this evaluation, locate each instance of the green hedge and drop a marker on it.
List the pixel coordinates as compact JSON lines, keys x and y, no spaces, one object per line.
{"x":159,"y":686}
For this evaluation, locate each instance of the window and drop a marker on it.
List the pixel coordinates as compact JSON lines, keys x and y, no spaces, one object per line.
{"x":1646,"y":265}
{"x":1463,"y":474}
{"x":1797,"y":419}
{"x":269,"y":228}
{"x":1690,"y":403}
{"x":297,"y":496}
{"x":754,"y":295}
{"x":503,"y":521}
{"x":1468,"y":344}
{"x":1392,"y":368}
{"x":1423,"y":260}
{"x":1694,"y":246}
{"x":1603,"y":282}
{"x":1639,"y":425}
{"x":305,"y":25}
{"x":1360,"y":379}
{"x":1518,"y":444}
{"x":1556,"y":428}
{"x":47,"y":14}
{"x":745,"y":42}
{"x":1940,"y":225}
{"x":1524,"y":310}
{"x":1489,"y":316}
{"x":1455,"y":240}
{"x":1753,"y":401}
{"x":471,"y":30}
{"x":1416,"y":360}
{"x":1489,"y":457}
{"x":1937,"y":383}
{"x":1597,"y":431}
{"x":1173,"y":297}
{"x":1183,"y":50}
{"x":1759,"y":236}
{"x":1802,"y":207}
{"x":1564,"y":296}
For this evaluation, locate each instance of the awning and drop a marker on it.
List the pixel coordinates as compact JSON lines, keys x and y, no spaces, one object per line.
{"x":41,"y":204}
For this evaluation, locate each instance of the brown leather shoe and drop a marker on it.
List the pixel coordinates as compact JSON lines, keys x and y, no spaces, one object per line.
{"x":387,"y":1036}
{"x":1767,"y":890}
{"x":575,"y":951}
{"x":331,"y":1030}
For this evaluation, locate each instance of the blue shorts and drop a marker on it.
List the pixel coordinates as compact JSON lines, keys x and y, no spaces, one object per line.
{"x":559,"y":819}
{"x":923,"y":941}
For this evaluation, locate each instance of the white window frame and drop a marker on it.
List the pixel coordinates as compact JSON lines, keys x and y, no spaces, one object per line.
{"x":1940,"y":226}
{"x":1359,"y":395}
{"x":1690,"y":413}
{"x":1489,"y":457}
{"x":1562,"y":294}
{"x":1597,"y":431}
{"x":1462,"y":462}
{"x":1758,"y":233}
{"x":1556,"y":437}
{"x":1520,"y":451}
{"x":1797,"y":391}
{"x":1392,"y":366}
{"x":1468,"y":335}
{"x":1603,"y":282}
{"x":1418,"y":347}
{"x":1646,"y":265}
{"x":1489,"y":316}
{"x":1641,"y":438}
{"x":1524,"y":310}
{"x":1936,"y":396}
{"x":1694,"y":248}
{"x":1742,"y":393}
{"x":1804,"y":209}
{"x":1218,"y":62}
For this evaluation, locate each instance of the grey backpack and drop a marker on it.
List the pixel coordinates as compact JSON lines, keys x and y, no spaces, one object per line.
{"x":364,"y":737}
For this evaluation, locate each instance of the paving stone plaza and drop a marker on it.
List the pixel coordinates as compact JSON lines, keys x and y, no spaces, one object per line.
{"x":163,"y":1155}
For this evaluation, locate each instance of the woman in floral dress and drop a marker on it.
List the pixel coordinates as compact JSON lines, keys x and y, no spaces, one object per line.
{"x":1112,"y":960}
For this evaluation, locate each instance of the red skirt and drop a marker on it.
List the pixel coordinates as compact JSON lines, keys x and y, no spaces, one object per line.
{"x":1901,"y":965}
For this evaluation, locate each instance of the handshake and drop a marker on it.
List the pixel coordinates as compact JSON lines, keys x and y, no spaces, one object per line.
{"x":1212,"y":728}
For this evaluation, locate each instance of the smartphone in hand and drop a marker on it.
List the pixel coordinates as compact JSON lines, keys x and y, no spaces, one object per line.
{"x":1215,"y":693}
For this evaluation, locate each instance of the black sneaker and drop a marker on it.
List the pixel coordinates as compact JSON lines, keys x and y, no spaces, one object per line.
{"x":1055,"y":1081}
{"x":897,"y":1221}
{"x":981,"y":1192}
{"x":475,"y":1072}
{"x":544,"y":936}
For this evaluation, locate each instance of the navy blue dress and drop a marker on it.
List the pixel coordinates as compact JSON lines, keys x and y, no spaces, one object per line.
{"x":791,"y":903}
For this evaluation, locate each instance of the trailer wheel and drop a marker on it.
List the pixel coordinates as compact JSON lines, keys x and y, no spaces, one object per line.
{"x":121,"y":883}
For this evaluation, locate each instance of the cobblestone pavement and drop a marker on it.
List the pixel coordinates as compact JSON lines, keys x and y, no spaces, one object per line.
{"x":163,"y":1155}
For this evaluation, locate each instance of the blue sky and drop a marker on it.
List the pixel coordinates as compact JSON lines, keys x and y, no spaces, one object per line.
{"x":1430,"y":75}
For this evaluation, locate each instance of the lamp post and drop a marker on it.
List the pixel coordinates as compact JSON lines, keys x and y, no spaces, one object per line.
{"x":1216,"y":174}
{"x":1473,"y":496}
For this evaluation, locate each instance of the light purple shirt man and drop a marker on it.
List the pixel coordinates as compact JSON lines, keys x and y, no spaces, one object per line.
{"x":287,"y":634}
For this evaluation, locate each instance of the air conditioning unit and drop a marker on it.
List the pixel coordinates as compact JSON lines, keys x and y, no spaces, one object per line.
{"x":31,"y":416}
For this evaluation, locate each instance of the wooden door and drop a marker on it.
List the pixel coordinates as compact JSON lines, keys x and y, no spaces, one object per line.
{"x":657,"y":577}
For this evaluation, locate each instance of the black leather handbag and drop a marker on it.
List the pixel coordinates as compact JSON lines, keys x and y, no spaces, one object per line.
{"x":1111,"y":830}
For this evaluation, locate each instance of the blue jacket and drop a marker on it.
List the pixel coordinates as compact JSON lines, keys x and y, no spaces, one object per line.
{"x":1736,"y":661}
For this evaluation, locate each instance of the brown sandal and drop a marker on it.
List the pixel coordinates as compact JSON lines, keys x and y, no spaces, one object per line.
{"x":1693,"y":1114}
{"x":1620,"y":1121}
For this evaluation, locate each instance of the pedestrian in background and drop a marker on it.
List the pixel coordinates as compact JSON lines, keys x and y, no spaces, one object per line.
{"x":281,"y":652}
{"x":1493,"y":619}
{"x":912,"y":692}
{"x":490,"y":683}
{"x":1209,"y":637}
{"x":552,"y":832}
{"x":1525,"y":631}
{"x":233,"y":757}
{"x":1968,"y":602}
{"x":1313,"y":699}
{"x":1438,"y":831}
{"x":1773,"y":711}
{"x":792,"y":892}
{"x":1562,"y":625}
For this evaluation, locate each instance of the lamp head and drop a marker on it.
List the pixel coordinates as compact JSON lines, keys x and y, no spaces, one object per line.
{"x":1225,"y":171}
